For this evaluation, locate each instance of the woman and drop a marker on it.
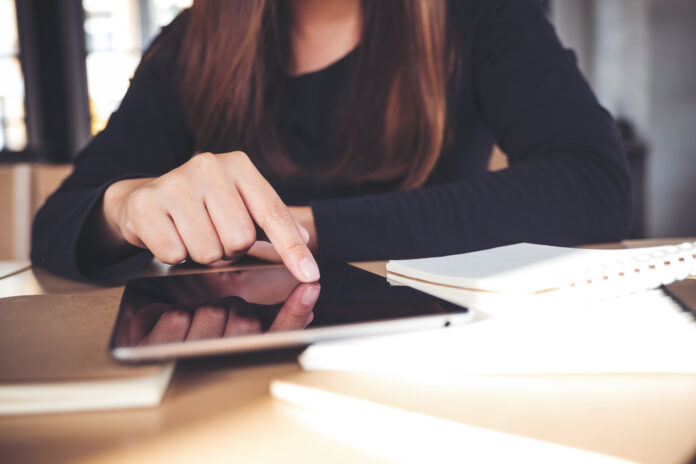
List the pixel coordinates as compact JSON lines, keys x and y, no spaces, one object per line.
{"x":342,"y":129}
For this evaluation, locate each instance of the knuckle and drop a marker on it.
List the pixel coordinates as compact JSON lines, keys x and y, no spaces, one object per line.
{"x":240,"y":156}
{"x":203,"y":170}
{"x":277,"y":212}
{"x":203,"y":160}
{"x":175,"y":181}
{"x":247,"y":235}
{"x":169,"y":251}
{"x":140,"y":201}
{"x":208,"y":255}
{"x":238,"y":163}
{"x":247,"y":242}
{"x":170,"y":256}
{"x":210,"y":312}
{"x":296,"y":248}
{"x":239,"y":245}
{"x":130,"y":229}
{"x":239,"y":241}
{"x":177,"y":317}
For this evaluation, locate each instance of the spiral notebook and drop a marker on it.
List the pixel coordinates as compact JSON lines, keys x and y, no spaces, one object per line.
{"x":528,"y":274}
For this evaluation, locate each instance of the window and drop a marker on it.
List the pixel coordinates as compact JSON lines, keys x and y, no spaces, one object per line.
{"x":117,"y":32}
{"x":13,"y":132}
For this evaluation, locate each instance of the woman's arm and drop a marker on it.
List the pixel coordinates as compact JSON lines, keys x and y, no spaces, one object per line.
{"x":568,"y":182}
{"x":146,"y":137}
{"x":136,"y":191}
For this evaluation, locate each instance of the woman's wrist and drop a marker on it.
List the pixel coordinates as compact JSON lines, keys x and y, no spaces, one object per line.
{"x":103,"y":235}
{"x":101,"y":241}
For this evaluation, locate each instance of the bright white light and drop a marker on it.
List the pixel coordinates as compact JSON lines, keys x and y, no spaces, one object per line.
{"x":405,"y":436}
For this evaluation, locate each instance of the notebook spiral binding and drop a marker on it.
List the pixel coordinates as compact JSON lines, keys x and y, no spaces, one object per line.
{"x":645,"y":271}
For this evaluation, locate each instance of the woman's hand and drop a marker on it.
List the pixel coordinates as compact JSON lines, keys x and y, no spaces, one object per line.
{"x":212,"y":207}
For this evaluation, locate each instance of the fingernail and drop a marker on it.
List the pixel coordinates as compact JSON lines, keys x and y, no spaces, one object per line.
{"x":309,"y":269}
{"x":310,"y":295}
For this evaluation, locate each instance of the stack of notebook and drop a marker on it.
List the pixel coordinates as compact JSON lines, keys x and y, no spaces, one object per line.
{"x":550,"y":311}
{"x":554,"y":310}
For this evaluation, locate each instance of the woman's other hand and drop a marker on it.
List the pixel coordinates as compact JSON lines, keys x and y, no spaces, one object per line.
{"x":212,"y":207}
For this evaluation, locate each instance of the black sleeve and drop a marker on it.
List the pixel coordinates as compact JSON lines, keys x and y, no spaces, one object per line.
{"x":146,"y":136}
{"x":568,"y":182}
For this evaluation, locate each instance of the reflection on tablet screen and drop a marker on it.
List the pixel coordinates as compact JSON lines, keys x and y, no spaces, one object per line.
{"x":174,"y":309}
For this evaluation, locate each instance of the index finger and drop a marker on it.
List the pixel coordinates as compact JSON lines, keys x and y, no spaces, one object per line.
{"x":274,"y":218}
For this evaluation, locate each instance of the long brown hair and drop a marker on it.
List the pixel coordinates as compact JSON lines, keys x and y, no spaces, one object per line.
{"x":391,"y":125}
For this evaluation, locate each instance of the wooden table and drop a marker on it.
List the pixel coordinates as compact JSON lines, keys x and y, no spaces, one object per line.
{"x":219,"y":410}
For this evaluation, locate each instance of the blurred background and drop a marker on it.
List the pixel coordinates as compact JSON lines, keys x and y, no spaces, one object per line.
{"x":65,"y":65}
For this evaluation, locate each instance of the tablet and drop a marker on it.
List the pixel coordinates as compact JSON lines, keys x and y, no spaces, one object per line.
{"x":226,"y":312}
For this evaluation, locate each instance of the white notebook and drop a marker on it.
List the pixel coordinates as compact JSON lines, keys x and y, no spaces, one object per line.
{"x":645,"y":332}
{"x":526,"y":268}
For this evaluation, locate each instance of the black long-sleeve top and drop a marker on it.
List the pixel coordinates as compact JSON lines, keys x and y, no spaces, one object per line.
{"x":567,"y":184}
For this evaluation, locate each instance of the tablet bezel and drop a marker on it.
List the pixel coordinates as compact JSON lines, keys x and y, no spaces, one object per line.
{"x":268,"y":341}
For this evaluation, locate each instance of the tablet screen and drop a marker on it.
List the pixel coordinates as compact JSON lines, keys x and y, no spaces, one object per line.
{"x":225,"y":305}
